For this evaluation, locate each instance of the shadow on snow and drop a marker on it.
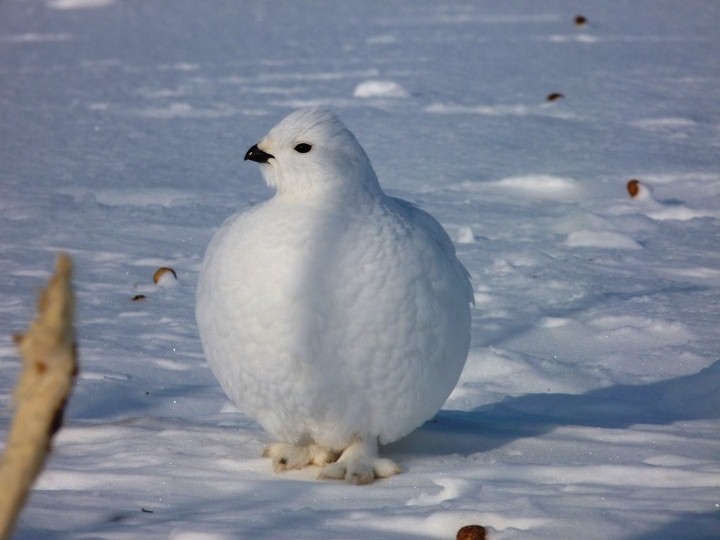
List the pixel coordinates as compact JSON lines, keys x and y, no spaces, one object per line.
{"x":690,"y":397}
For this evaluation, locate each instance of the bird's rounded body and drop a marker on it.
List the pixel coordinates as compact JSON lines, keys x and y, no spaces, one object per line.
{"x":334,"y":314}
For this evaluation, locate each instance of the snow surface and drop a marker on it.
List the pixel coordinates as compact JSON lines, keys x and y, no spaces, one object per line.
{"x":590,"y":404}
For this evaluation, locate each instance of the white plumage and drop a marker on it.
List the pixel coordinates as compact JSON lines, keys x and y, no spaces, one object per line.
{"x":336,"y":316}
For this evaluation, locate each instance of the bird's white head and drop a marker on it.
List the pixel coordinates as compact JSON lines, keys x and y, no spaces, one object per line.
{"x":311,"y":152}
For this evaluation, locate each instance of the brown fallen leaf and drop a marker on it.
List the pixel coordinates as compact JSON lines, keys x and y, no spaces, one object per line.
{"x":633,"y":187}
{"x":472,"y":532}
{"x":162,"y":271}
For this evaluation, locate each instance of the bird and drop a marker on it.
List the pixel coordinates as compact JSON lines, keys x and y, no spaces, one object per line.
{"x":336,"y":316}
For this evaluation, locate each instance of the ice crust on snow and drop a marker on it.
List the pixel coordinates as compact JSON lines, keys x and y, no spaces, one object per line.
{"x":601,"y":239}
{"x":380,"y":89}
{"x":78,"y":4}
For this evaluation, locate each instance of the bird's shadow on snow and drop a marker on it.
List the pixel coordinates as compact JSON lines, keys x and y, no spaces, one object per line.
{"x":689,"y":397}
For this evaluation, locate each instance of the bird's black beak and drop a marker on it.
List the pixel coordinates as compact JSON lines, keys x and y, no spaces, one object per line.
{"x":255,"y":154}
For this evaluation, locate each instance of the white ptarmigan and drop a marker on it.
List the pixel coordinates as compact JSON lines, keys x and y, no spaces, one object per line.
{"x":336,"y":316}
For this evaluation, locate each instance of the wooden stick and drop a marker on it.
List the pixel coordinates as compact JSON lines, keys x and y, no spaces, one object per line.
{"x":49,"y":369}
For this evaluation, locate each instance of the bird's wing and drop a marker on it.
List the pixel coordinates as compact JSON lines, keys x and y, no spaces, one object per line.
{"x":439,"y":237}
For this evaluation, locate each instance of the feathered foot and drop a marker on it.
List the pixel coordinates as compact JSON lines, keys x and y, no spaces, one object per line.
{"x":296,"y":456}
{"x":359,"y":464}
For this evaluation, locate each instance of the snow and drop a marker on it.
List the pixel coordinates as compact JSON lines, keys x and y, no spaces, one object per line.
{"x":590,"y":404}
{"x":379,"y":89}
{"x":78,"y":4}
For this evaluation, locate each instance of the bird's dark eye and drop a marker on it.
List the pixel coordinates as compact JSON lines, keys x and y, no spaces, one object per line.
{"x":303,"y":148}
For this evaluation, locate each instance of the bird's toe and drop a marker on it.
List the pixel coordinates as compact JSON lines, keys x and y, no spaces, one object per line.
{"x":296,"y":456}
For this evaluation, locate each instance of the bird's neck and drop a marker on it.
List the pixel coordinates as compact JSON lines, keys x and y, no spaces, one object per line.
{"x":335,"y":198}
{"x":334,"y":191}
